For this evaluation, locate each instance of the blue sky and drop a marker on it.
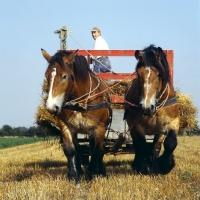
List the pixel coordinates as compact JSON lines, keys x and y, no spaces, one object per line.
{"x":28,"y":26}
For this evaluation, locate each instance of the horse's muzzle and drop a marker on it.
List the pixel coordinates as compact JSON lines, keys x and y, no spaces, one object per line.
{"x":147,"y":110}
{"x":53,"y":109}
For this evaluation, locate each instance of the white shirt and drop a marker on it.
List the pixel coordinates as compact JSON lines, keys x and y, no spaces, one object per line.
{"x":100,"y":44}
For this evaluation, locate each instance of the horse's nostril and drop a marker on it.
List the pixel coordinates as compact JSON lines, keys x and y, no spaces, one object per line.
{"x":152,"y":107}
{"x":56,"y":108}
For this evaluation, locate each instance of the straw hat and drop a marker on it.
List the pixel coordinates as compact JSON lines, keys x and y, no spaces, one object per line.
{"x":96,"y":29}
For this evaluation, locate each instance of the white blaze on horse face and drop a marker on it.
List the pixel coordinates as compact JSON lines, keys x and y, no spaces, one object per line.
{"x":147,"y":87}
{"x":53,"y":102}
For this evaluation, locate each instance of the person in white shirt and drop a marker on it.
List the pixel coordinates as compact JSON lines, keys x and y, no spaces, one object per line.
{"x":102,"y":64}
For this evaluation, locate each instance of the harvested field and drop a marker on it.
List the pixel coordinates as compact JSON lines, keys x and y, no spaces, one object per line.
{"x":38,"y":171}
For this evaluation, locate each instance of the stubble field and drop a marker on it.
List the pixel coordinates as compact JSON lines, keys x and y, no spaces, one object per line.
{"x":38,"y":171}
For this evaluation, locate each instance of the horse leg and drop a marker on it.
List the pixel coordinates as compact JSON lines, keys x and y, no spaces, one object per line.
{"x":77,"y":155}
{"x":69,"y":151}
{"x":96,"y":165}
{"x":155,"y":151}
{"x":99,"y":153}
{"x":149,"y":157}
{"x":92,"y":167}
{"x":166,"y":161}
{"x":140,"y":163}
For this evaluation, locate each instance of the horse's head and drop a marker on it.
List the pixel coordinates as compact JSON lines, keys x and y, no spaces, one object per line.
{"x":152,"y":74}
{"x":60,"y":79}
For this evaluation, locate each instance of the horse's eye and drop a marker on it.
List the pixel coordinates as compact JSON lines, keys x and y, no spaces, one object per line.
{"x":64,"y":76}
{"x":68,"y":64}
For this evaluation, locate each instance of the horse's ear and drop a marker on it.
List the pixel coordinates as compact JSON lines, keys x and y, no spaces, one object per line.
{"x":71,"y":57}
{"x":138,"y":55}
{"x":159,"y":53}
{"x":46,"y":55}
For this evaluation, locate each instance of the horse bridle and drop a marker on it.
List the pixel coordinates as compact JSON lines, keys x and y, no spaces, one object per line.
{"x":73,"y":102}
{"x":70,"y":76}
{"x":166,"y":101}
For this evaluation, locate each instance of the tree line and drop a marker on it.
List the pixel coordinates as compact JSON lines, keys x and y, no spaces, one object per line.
{"x":32,"y":131}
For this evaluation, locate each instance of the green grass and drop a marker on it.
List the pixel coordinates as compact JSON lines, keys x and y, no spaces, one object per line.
{"x":13,"y":141}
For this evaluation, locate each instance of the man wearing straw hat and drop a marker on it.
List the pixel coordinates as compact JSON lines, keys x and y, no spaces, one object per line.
{"x":101,"y":63}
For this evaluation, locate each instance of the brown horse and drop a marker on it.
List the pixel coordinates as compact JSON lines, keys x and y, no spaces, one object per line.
{"x":155,"y":112}
{"x":79,"y":100}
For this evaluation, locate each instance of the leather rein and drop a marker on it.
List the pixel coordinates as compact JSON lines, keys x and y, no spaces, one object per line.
{"x":81,"y":107}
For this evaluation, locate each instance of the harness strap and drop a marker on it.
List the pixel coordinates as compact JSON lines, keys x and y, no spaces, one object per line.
{"x":95,"y":106}
{"x":169,"y":102}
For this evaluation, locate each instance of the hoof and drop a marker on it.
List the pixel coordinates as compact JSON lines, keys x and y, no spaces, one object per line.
{"x":89,"y":174}
{"x":80,"y":172}
{"x":140,"y":169}
{"x":102,"y":172}
{"x":166,"y":164}
{"x":73,"y":177}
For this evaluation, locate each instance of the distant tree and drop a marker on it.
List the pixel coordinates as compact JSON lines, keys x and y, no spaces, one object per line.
{"x":32,"y":131}
{"x":23,"y":131}
{"x":8,"y":129}
{"x":23,"y":128}
{"x":17,"y":131}
{"x":39,"y":131}
{"x":3,"y":133}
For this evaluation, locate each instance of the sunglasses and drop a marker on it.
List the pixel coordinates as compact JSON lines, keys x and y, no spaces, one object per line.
{"x":93,"y":32}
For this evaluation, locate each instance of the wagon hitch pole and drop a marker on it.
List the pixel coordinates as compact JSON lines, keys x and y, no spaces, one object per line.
{"x":118,"y":143}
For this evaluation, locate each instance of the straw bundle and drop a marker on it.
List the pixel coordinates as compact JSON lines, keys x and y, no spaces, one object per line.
{"x":188,"y":113}
{"x":118,"y":88}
